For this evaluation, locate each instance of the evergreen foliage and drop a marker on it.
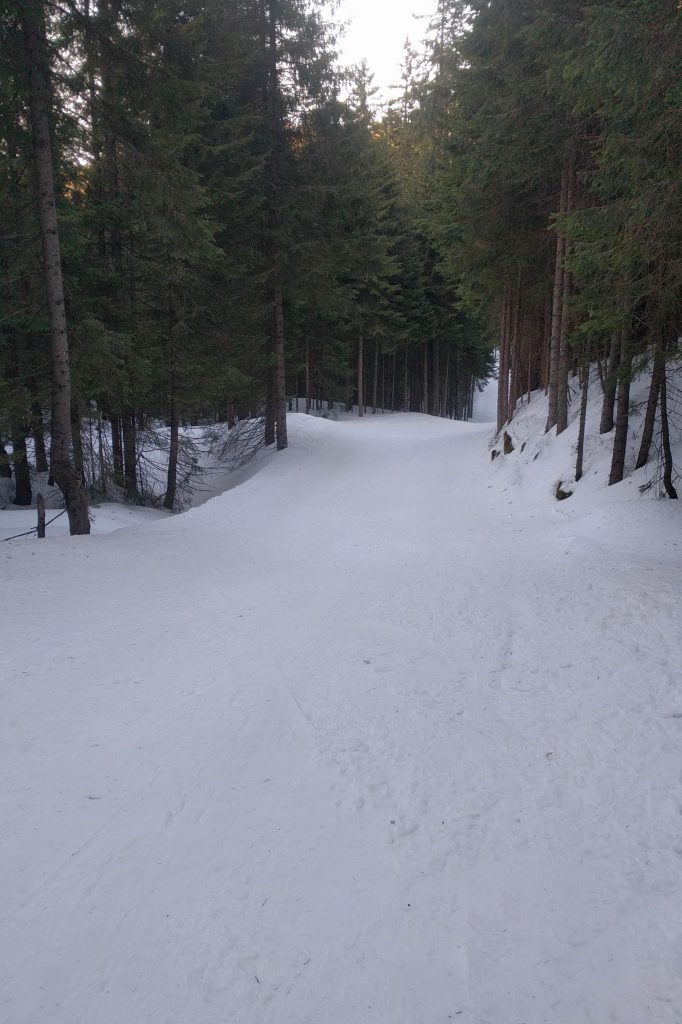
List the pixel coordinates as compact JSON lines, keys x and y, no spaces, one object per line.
{"x":240,"y":224}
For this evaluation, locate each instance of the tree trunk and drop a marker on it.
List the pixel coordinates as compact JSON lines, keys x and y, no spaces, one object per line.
{"x":280,"y":377}
{"x":276,"y":410}
{"x":61,"y":467}
{"x":383,"y":384}
{"x":172,"y":478}
{"x":361,"y":375}
{"x":307,"y":375}
{"x":375,"y":388}
{"x":39,"y":439}
{"x":105,"y":143}
{"x":425,"y":381}
{"x":93,"y":466}
{"x":545,"y":336}
{"x":172,"y":475}
{"x":557,"y":309}
{"x":77,"y":440}
{"x":532,"y":354}
{"x":117,"y":448}
{"x":652,"y":405}
{"x":523,"y":346}
{"x":22,"y":472}
{"x":562,"y":372}
{"x":445,"y":387}
{"x":503,"y":370}
{"x":610,"y":385}
{"x":100,"y":449}
{"x":514,"y":357}
{"x":270,"y":402}
{"x":583,"y":419}
{"x":665,"y":438}
{"x":435,"y":378}
{"x":562,"y":369}
{"x":623,"y":417}
{"x":130,"y":456}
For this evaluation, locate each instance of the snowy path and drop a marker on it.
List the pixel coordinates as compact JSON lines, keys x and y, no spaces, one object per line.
{"x":367,"y":740}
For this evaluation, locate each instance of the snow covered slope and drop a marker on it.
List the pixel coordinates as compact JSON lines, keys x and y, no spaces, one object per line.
{"x":385,"y":735}
{"x":541,"y":461}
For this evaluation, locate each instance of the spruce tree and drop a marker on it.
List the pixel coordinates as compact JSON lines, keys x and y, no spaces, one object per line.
{"x":39,"y":102}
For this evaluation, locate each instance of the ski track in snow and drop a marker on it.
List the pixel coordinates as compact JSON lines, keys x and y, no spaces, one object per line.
{"x":366,"y":739}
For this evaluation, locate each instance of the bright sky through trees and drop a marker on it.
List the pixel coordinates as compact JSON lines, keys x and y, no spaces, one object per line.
{"x":377,"y":32}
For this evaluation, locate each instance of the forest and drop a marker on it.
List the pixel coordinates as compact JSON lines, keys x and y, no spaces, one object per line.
{"x":206,"y":217}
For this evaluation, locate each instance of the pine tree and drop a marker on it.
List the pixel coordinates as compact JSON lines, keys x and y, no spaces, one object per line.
{"x":61,"y":466}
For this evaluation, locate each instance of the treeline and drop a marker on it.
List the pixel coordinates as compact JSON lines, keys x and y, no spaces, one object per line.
{"x":203,"y":216}
{"x":559,"y":186}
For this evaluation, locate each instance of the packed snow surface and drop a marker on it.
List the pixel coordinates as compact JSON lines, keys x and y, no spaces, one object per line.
{"x":384,"y":735}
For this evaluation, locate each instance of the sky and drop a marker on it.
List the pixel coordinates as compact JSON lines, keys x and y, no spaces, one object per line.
{"x":377,"y":32}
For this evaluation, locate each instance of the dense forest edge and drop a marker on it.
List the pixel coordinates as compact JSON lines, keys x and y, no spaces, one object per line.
{"x":207,"y":221}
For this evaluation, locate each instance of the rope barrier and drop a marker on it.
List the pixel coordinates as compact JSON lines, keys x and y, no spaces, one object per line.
{"x":35,"y":528}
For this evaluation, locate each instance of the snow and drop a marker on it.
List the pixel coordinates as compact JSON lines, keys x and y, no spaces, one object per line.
{"x":104,"y":518}
{"x":384,"y":734}
{"x":210,"y":465}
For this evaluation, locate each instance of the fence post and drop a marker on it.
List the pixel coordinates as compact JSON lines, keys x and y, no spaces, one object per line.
{"x":40,"y":505}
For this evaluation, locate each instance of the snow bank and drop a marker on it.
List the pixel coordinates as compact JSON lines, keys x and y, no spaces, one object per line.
{"x":540,"y":462}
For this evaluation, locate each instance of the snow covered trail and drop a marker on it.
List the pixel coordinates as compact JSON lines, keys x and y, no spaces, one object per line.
{"x":367,"y":740}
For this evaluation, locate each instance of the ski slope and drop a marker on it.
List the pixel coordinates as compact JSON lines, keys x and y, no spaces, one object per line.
{"x":384,"y":735}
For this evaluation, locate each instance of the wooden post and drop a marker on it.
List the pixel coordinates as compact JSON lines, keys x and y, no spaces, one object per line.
{"x":40,"y":506}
